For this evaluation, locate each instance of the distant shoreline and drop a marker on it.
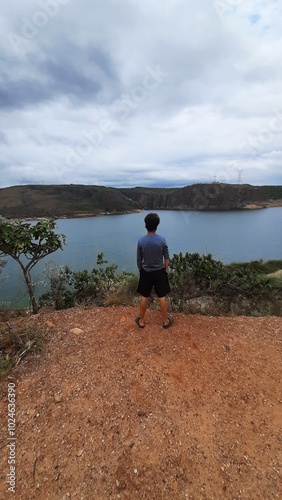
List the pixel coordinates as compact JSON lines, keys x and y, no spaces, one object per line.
{"x":82,"y":215}
{"x":258,"y":206}
{"x":85,"y":215}
{"x":251,"y":206}
{"x":79,"y":201}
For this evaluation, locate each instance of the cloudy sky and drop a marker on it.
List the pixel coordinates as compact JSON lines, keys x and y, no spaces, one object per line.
{"x":140,"y":92}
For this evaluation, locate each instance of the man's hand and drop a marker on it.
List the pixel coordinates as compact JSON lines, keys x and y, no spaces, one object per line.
{"x":166,"y":265}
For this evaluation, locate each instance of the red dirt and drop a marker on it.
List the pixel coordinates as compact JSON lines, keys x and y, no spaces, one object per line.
{"x":118,"y":412}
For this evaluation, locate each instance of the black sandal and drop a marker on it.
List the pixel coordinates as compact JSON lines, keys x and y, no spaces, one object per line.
{"x":170,"y":321}
{"x":137,"y":321}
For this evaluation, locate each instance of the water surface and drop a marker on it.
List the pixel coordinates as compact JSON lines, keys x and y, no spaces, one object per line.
{"x":228,"y":236}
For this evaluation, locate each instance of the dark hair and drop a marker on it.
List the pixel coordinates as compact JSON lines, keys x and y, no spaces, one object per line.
{"x":151,"y":222}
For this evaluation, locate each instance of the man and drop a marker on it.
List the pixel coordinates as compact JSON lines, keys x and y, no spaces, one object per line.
{"x":153,"y":262}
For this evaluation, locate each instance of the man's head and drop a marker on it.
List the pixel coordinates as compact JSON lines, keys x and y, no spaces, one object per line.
{"x":151,"y":222}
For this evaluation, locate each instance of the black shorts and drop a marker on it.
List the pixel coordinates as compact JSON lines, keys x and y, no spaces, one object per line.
{"x":156,"y":279}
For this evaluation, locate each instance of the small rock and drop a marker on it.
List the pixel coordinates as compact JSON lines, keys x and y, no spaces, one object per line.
{"x":175,"y":486}
{"x":79,"y":453}
{"x":58,"y":398}
{"x":141,"y":413}
{"x":77,"y":331}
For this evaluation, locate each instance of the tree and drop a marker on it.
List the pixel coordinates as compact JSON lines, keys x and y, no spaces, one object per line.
{"x":27,"y":244}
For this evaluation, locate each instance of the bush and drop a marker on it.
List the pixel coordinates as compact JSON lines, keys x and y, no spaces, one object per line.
{"x":59,"y":296}
{"x":91,"y":287}
{"x":124,"y":291}
{"x":100,"y":286}
{"x":16,"y":342}
{"x":245,"y":280}
{"x":199,"y":284}
{"x":194,"y":275}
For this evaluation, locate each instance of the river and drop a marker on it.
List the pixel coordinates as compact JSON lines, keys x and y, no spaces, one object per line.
{"x":236,"y":236}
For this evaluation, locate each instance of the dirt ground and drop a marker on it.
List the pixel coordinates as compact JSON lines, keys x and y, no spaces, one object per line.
{"x":110,"y":411}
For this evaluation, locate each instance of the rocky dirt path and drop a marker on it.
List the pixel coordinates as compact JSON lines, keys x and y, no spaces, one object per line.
{"x":110,"y":411}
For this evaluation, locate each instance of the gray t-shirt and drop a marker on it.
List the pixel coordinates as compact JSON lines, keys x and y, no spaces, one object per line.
{"x":152,"y":249}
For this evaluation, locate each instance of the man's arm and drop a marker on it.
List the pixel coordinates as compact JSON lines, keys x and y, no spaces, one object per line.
{"x":139,"y":257}
{"x":165,"y":254}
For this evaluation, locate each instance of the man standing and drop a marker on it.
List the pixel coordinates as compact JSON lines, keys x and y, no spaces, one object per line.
{"x":153,"y":262}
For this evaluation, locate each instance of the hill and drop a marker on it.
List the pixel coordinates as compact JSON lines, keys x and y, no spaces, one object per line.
{"x":215,"y":196}
{"x":62,"y":200}
{"x":80,"y":200}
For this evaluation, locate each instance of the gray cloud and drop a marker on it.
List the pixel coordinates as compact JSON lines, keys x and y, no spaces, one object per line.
{"x":3,"y":138}
{"x":22,"y":93}
{"x":79,"y":75}
{"x":145,"y":93}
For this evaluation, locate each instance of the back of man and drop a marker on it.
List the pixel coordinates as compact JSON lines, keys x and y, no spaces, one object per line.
{"x":153,"y":262}
{"x":151,"y":251}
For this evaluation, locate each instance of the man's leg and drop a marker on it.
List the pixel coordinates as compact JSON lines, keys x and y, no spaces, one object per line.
{"x":163,"y":304}
{"x":143,"y":307}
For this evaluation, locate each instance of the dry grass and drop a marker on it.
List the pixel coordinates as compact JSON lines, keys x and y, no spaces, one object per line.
{"x":16,"y":342}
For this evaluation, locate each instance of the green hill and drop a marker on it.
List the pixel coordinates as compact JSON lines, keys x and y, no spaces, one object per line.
{"x":80,"y":200}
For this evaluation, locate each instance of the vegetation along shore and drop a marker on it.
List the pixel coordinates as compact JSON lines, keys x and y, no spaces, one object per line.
{"x":59,"y":201}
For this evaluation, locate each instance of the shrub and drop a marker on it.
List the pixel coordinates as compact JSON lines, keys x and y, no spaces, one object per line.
{"x":199,"y":284}
{"x":101,"y":286}
{"x":16,"y":342}
{"x":59,"y":296}
{"x":193,"y":275}
{"x":124,"y":291}
{"x":91,"y":287}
